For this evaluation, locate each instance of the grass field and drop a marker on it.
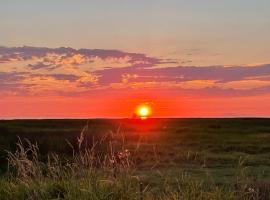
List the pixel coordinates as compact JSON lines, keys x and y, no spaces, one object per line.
{"x":205,"y":158}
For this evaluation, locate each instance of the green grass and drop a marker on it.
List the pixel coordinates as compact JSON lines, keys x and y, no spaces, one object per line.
{"x":171,"y":158}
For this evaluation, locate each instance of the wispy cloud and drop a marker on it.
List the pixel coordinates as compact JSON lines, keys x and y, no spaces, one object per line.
{"x":65,"y":71}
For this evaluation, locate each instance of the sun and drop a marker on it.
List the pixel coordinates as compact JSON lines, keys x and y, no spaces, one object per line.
{"x":143,"y":111}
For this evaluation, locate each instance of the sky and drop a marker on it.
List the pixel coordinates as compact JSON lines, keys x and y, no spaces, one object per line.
{"x":97,"y":58}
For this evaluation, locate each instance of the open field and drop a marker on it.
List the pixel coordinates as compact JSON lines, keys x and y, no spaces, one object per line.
{"x":219,"y":152}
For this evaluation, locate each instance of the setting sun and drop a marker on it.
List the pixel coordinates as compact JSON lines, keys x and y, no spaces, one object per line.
{"x":143,"y":111}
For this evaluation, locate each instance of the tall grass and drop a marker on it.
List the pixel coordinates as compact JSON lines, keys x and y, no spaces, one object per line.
{"x":103,"y":168}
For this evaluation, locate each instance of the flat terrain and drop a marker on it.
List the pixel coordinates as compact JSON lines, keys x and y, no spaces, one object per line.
{"x":203,"y":148}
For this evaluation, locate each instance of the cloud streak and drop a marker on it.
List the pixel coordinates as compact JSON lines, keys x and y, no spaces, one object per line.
{"x":68,"y":71}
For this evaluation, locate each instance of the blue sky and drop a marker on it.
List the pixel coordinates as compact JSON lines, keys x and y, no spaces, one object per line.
{"x":160,"y":28}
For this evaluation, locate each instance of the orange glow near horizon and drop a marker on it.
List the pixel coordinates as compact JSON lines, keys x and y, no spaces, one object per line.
{"x":114,"y":105}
